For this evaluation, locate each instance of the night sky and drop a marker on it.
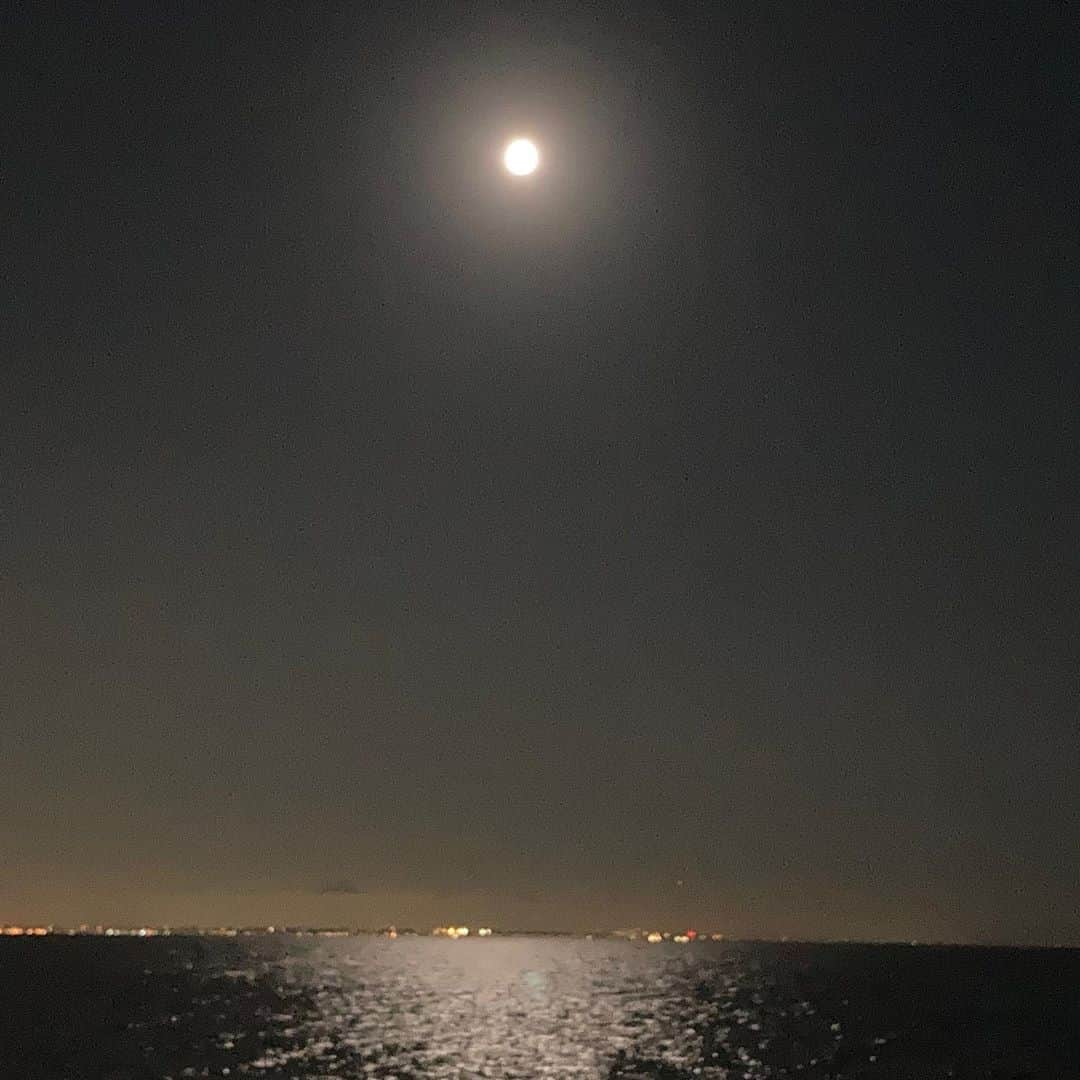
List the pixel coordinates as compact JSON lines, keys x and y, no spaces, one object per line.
{"x":686,"y":534}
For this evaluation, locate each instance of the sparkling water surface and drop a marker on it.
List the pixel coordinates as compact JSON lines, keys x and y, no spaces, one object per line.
{"x":531,"y":1007}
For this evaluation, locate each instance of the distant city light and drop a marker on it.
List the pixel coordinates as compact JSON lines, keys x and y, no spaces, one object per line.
{"x":452,"y":932}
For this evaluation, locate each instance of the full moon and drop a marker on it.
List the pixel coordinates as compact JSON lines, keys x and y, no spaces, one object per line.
{"x":521,"y":157}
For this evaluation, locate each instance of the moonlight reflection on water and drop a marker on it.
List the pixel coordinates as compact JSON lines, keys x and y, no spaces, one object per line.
{"x":416,"y":1008}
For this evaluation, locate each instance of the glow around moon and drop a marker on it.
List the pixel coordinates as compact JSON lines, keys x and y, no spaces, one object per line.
{"x":521,"y":157}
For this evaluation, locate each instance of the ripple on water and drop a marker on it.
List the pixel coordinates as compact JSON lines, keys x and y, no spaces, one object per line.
{"x":526,"y":1008}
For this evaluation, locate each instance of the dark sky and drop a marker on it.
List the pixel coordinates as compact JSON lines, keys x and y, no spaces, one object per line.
{"x":688,"y":533}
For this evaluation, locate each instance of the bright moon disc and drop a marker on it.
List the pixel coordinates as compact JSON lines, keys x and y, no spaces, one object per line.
{"x":521,"y":157}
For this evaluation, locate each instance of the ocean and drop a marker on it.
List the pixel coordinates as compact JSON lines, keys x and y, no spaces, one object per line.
{"x":89,"y":1008}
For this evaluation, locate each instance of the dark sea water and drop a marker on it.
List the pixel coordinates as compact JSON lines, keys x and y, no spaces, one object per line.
{"x":530,"y":1007}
